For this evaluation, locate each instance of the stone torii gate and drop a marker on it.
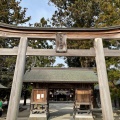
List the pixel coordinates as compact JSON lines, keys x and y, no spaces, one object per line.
{"x":60,"y":35}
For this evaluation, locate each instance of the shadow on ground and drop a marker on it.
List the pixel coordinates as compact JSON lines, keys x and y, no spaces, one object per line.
{"x":61,"y":111}
{"x":58,"y":111}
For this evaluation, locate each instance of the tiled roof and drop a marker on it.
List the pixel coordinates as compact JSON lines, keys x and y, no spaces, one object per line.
{"x":60,"y":75}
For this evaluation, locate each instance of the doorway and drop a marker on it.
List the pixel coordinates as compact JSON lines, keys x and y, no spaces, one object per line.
{"x":61,"y":103}
{"x":61,"y":95}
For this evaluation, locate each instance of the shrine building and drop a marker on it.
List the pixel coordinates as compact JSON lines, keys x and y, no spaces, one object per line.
{"x":61,"y":83}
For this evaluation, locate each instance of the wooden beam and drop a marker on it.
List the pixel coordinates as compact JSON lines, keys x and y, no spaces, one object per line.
{"x":103,"y":81}
{"x":49,"y":33}
{"x":111,"y":53}
{"x":17,"y":81}
{"x":52,"y":36}
{"x":52,"y":52}
{"x":9,"y":51}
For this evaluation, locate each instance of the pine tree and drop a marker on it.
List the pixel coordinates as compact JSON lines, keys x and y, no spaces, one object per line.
{"x":109,"y":13}
{"x":86,"y":14}
{"x":12,"y":13}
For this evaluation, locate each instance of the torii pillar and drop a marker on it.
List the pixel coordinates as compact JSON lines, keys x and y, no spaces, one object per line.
{"x":103,"y":81}
{"x":17,"y":81}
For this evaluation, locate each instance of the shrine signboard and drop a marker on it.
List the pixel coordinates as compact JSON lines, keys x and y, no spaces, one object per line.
{"x":61,"y":44}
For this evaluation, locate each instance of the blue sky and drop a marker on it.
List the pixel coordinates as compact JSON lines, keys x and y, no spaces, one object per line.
{"x":38,"y":9}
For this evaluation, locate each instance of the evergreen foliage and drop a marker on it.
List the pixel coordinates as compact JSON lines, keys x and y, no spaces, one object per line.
{"x":12,"y":13}
{"x":87,"y":14}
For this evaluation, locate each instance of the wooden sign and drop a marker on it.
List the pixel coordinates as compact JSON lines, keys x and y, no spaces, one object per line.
{"x":39,"y":96}
{"x":61,"y":44}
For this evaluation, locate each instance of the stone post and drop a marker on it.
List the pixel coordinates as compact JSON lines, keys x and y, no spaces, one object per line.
{"x":103,"y":81}
{"x":17,"y":81}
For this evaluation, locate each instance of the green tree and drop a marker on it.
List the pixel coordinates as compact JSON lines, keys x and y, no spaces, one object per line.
{"x":109,"y":13}
{"x":76,"y":13}
{"x":60,"y":65}
{"x":42,"y":23}
{"x":86,"y":14}
{"x":40,"y":61}
{"x":11,"y":13}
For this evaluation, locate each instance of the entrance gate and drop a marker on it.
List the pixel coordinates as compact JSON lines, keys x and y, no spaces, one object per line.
{"x":62,"y":35}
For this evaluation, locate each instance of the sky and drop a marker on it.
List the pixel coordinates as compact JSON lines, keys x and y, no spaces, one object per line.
{"x":38,"y":9}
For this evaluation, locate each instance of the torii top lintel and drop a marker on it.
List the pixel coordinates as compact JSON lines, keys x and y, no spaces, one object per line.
{"x":7,"y":30}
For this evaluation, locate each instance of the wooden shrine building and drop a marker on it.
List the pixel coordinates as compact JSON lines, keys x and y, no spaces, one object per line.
{"x":61,"y":36}
{"x":61,"y":82}
{"x":61,"y":85}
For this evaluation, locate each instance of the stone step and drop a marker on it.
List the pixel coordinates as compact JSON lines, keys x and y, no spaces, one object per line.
{"x":61,"y":118}
{"x":84,"y":117}
{"x":38,"y":117}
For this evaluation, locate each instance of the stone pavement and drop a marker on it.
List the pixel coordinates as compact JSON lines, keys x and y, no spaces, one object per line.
{"x":61,"y":111}
{"x":58,"y":111}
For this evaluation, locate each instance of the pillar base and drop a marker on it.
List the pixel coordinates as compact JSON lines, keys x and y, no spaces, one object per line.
{"x":38,"y":117}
